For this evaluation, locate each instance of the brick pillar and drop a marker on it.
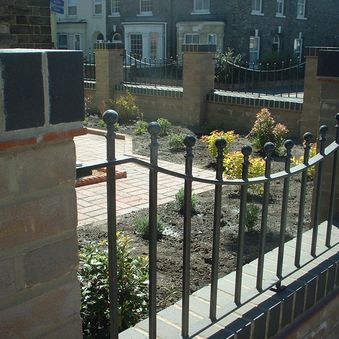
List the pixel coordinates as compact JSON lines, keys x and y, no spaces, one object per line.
{"x":328,"y":77}
{"x":41,"y":105}
{"x":198,"y":81}
{"x":108,"y":69}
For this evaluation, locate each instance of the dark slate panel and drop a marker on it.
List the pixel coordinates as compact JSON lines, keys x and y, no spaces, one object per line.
{"x":328,"y":65}
{"x":310,"y":295}
{"x":23,"y":90}
{"x":299,"y":302}
{"x":66,"y":86}
{"x":330,"y":279}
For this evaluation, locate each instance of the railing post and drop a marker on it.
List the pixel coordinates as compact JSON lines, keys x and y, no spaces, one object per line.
{"x":220,"y":144}
{"x":189,"y":143}
{"x":333,"y":186}
{"x":316,"y":215}
{"x":246,"y":151}
{"x":288,"y":145}
{"x":307,"y":140}
{"x":154,"y":130}
{"x":269,"y":148}
{"x":110,"y":117}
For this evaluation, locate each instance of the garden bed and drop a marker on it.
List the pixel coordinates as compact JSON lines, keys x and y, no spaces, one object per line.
{"x":170,"y":255}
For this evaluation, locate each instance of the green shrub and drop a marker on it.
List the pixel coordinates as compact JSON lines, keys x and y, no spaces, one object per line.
{"x":233,"y":162}
{"x":223,"y":71}
{"x":132,"y":287}
{"x":265,"y":129}
{"x":141,"y":127}
{"x":142,"y":226}
{"x":252,"y":217}
{"x":127,"y":108}
{"x":165,"y":126}
{"x":179,"y":201}
{"x":176,"y":142}
{"x":210,"y":139}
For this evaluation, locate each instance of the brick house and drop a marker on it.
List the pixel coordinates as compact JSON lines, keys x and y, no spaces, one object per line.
{"x":255,"y":28}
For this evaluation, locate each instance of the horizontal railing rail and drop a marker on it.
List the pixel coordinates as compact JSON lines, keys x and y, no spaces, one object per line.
{"x":284,"y":79}
{"x":111,"y":117}
{"x":152,"y":71}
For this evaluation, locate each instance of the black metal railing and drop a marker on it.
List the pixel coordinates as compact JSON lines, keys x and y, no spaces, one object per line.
{"x":148,"y":71}
{"x":110,"y":117}
{"x":89,"y":67}
{"x":277,"y":79}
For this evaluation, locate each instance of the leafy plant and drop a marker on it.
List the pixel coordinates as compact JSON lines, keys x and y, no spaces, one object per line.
{"x":141,"y":127}
{"x":93,"y":277}
{"x":176,"y":142}
{"x":233,"y":168}
{"x":222,"y":70}
{"x":210,"y":139}
{"x":179,"y":201}
{"x":265,"y":129}
{"x":127,"y":108}
{"x":252,"y":217}
{"x":300,"y":160}
{"x":142,"y":226}
{"x":165,"y":126}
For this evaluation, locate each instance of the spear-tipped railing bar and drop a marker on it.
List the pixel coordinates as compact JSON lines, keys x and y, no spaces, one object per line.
{"x":110,"y":117}
{"x":220,"y":145}
{"x":154,"y":130}
{"x":308,"y":137}
{"x":189,"y":142}
{"x":316,"y":216}
{"x":269,"y":148}
{"x":283,"y":221}
{"x":246,"y":151}
{"x":333,"y":186}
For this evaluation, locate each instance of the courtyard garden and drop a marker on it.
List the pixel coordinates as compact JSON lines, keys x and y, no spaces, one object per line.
{"x":133,"y":227}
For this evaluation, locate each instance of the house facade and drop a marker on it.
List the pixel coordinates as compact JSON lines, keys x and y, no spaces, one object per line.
{"x":156,"y":29}
{"x":82,"y":24}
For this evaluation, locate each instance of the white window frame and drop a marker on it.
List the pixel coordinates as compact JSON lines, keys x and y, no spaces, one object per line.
{"x":255,"y":40}
{"x":142,"y":44}
{"x":115,"y":7}
{"x":96,"y":5}
{"x":75,"y":36}
{"x":214,"y":37}
{"x":257,"y":7}
{"x":298,"y":47}
{"x":301,"y":9}
{"x":276,"y":41}
{"x":148,"y":11}
{"x":191,"y":35}
{"x":72,"y":5}
{"x":280,"y":8}
{"x":201,"y":7}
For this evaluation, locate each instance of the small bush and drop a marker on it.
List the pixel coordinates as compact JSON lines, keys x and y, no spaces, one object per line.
{"x":300,"y":160}
{"x":210,"y":139}
{"x":233,"y":168}
{"x":127,"y":108}
{"x":176,"y":142}
{"x":141,"y":127}
{"x":252,"y":217}
{"x":142,"y":226}
{"x":165,"y":127}
{"x":179,"y":201}
{"x":132,"y":287}
{"x":265,"y":129}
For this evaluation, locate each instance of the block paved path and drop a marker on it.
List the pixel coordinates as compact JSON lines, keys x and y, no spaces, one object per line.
{"x":132,"y":192}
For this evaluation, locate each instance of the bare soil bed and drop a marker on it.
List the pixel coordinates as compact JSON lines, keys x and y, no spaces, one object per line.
{"x":170,"y":245}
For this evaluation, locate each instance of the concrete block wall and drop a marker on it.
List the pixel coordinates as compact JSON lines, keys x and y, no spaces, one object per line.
{"x":39,"y":290}
{"x":25,"y":24}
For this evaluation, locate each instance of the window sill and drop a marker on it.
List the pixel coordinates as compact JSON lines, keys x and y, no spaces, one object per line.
{"x":200,"y":12}
{"x":145,"y":14}
{"x":278,"y":15}
{"x":114,"y":15}
{"x":97,"y":15}
{"x":301,"y":18}
{"x":257,"y":13}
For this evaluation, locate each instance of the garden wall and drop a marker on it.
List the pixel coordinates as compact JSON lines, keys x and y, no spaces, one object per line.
{"x":39,"y":290}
